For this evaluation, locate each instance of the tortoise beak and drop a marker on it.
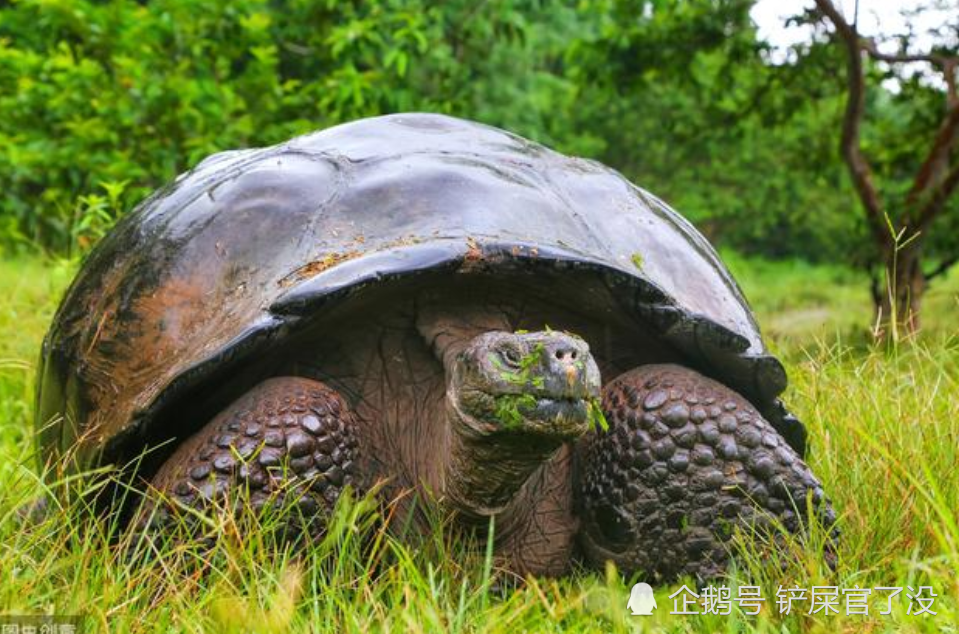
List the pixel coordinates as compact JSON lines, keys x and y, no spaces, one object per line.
{"x":571,"y":374}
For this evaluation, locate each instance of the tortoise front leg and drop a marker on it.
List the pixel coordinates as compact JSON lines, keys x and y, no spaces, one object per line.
{"x":286,"y":437}
{"x":684,"y":461}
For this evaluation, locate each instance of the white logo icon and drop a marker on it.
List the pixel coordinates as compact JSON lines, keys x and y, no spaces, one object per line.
{"x":641,"y":600}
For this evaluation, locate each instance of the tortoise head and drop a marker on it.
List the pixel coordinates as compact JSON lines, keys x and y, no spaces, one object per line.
{"x":543,"y":384}
{"x":513,"y":399}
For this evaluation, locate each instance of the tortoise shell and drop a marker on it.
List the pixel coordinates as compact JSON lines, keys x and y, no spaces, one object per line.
{"x":249,"y":247}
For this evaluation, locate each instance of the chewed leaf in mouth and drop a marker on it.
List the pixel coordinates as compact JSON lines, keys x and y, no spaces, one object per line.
{"x":561,"y":416}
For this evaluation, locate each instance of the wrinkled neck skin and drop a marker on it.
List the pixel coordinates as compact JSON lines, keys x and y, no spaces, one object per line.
{"x":483,"y":471}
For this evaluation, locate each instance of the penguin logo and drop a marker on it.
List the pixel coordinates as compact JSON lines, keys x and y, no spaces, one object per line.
{"x":641,"y":600}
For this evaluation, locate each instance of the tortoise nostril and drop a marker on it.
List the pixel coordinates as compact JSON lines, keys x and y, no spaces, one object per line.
{"x":565,"y":354}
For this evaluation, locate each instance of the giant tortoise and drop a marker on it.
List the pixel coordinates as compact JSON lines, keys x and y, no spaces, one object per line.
{"x":428,"y":304}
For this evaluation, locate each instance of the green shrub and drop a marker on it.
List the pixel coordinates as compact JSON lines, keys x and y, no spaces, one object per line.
{"x":101,"y":102}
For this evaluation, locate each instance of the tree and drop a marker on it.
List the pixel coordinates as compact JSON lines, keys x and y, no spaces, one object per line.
{"x":900,"y":238}
{"x":685,"y":99}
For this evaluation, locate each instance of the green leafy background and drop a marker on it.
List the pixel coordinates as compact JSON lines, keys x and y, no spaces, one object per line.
{"x":103,"y":101}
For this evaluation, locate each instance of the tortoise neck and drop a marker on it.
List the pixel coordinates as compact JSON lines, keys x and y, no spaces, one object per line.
{"x":483,"y":473}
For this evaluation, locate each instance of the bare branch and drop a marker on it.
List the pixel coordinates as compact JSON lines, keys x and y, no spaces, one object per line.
{"x":936,"y":161}
{"x":937,"y":200}
{"x":952,"y":93}
{"x":946,"y":63}
{"x":941,"y":61}
{"x":852,"y":120}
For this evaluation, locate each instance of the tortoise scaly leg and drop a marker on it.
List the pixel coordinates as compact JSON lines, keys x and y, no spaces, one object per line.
{"x":684,"y":461}
{"x":287,"y":436}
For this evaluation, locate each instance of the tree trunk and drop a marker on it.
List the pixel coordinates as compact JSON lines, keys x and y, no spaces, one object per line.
{"x":898,"y":302}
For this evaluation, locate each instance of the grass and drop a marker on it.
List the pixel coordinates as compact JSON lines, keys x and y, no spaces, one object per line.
{"x":884,"y":432}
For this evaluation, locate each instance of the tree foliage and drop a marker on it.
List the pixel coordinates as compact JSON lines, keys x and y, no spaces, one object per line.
{"x":713,"y":127}
{"x":100,"y":102}
{"x":103,"y":101}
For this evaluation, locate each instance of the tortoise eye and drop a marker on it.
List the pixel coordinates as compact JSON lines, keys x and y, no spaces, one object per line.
{"x":512,"y":356}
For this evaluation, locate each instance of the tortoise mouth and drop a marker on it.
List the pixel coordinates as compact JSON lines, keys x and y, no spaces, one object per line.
{"x":555,"y":417}
{"x":565,"y":417}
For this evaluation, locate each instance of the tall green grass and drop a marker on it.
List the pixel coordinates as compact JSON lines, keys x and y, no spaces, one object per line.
{"x":884,"y":436}
{"x":800,"y":304}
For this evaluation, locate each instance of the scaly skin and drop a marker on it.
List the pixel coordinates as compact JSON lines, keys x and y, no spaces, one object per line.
{"x":684,"y":462}
{"x":286,"y":437}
